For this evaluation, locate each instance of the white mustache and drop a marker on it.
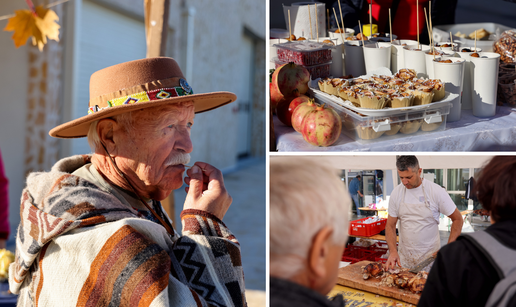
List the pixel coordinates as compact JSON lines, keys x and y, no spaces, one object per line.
{"x":178,"y":158}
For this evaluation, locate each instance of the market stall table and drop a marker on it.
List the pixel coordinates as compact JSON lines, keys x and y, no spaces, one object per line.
{"x":469,"y":134}
{"x":354,"y":297}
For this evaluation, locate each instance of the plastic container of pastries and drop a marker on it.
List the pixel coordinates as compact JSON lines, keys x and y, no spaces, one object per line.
{"x":401,"y":99}
{"x":365,"y":131}
{"x":334,"y":85}
{"x":406,"y":74}
{"x":370,"y":100}
{"x":411,"y":126}
{"x":398,"y":124}
{"x":437,"y":87}
{"x":351,"y":94}
{"x":423,"y":95}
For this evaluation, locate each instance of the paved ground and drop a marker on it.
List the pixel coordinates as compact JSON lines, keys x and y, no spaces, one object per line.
{"x":246,"y":219}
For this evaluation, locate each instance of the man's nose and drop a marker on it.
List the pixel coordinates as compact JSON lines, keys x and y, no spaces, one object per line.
{"x":183,"y":141}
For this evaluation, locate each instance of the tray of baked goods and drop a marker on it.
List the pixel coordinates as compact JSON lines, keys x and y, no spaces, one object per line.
{"x":378,"y":108}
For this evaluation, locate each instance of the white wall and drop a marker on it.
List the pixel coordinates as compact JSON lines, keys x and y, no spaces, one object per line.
{"x":13,"y":104}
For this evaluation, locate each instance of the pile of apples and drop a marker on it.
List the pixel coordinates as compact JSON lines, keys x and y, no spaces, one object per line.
{"x":319,"y":125}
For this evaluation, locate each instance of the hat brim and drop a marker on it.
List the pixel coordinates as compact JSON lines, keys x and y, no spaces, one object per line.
{"x":202,"y":102}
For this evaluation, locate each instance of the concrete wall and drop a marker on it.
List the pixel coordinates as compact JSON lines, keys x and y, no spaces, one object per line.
{"x":14,"y":72}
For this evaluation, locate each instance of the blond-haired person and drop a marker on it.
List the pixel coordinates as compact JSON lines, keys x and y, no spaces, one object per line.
{"x":309,"y":208}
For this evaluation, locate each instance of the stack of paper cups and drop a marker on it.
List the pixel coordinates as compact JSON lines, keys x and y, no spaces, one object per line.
{"x":300,"y":19}
{"x":484,"y":81}
{"x":377,"y":55}
{"x":415,"y":59}
{"x":452,"y":75}
{"x":429,"y":60}
{"x":397,"y":56}
{"x":466,"y":92}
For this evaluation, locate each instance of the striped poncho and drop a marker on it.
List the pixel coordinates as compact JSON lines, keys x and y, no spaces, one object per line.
{"x":78,"y":245}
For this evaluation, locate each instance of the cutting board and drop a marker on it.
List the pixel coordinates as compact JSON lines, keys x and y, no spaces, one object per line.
{"x":351,"y":276}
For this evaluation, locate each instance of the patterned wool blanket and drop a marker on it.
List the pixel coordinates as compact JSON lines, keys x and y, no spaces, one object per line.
{"x":78,"y":245}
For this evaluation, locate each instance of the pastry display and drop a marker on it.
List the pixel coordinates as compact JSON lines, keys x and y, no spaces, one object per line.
{"x":378,"y":92}
{"x":410,"y":126}
{"x":430,"y":127}
{"x":368,"y":133}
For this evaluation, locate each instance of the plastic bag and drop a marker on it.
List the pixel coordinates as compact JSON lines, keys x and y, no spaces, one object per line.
{"x":507,"y":83}
{"x":506,"y":46}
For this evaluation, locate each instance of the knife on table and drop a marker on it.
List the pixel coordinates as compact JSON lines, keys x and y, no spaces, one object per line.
{"x":422,"y":264}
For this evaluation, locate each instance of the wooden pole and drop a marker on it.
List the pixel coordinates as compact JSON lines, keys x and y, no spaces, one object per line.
{"x":156,"y":26}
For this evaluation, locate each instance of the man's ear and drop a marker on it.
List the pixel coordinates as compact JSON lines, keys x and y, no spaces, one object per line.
{"x":105,"y":128}
{"x":319,"y":251}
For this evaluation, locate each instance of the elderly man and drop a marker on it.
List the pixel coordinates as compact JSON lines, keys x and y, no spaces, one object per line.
{"x":417,"y":203}
{"x":308,"y":225}
{"x":93,"y":231}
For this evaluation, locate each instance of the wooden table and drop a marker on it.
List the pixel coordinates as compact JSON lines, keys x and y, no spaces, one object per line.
{"x":351,"y":276}
{"x":354,"y":297}
{"x":375,"y":237}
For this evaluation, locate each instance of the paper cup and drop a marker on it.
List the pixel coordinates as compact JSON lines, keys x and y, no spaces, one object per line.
{"x":452,"y":75}
{"x":429,"y":60}
{"x":466,"y":85}
{"x":415,"y":59}
{"x":354,"y":59}
{"x":338,"y":36}
{"x":376,"y":56}
{"x":397,"y":55}
{"x":484,"y":81}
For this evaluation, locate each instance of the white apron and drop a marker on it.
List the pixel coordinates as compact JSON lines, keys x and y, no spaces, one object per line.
{"x":418,"y":231}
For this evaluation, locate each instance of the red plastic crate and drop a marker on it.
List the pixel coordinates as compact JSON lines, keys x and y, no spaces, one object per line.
{"x":357,"y":228}
{"x":355,"y":254}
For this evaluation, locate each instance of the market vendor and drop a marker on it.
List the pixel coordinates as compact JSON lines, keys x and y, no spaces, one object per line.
{"x":417,"y":204}
{"x":93,"y":231}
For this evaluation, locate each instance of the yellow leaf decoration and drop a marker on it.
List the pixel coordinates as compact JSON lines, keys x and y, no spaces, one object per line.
{"x":40,"y":26}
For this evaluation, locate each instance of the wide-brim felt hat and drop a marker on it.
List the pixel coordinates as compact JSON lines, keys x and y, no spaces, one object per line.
{"x":137,"y":85}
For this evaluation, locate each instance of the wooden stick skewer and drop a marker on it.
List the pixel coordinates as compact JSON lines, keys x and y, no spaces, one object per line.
{"x":310,"y":22}
{"x":361,"y":34}
{"x":431,"y":30}
{"x":342,"y":21}
{"x":289,"y":28}
{"x":316,"y":23}
{"x":417,"y":21}
{"x":429,"y":35}
{"x":451,"y":40}
{"x":337,"y":21}
{"x":371,"y":18}
{"x":328,"y":19}
{"x":390,"y":25}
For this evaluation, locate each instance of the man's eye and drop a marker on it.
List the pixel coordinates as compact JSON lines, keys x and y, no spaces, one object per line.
{"x":189,"y":125}
{"x":170,"y":126}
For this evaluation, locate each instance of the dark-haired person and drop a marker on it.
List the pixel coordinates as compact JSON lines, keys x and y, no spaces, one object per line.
{"x":417,"y":204}
{"x":462,"y":275}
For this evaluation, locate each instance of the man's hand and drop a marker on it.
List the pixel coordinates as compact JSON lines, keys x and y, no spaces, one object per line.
{"x":392,"y":261}
{"x":206,"y":190}
{"x":361,"y":195}
{"x":456,"y":227}
{"x":2,"y":243}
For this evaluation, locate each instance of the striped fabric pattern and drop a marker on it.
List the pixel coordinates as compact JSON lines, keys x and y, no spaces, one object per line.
{"x":79,"y":245}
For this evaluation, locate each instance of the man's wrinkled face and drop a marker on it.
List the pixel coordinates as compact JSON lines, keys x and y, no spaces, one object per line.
{"x":153,"y":153}
{"x":411,"y":177}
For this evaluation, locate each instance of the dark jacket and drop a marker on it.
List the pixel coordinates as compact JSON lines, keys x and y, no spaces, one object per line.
{"x":443,"y":12}
{"x":462,"y":275}
{"x":284,"y":293}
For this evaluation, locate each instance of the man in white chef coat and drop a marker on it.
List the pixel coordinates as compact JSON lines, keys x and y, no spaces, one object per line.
{"x":417,"y":203}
